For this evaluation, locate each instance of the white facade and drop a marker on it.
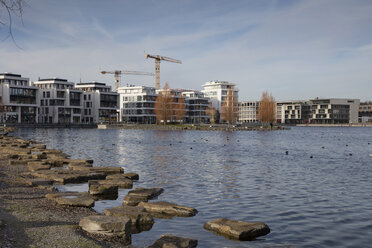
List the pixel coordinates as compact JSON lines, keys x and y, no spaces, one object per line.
{"x":60,"y":102}
{"x":196,"y":107}
{"x":248,"y":112}
{"x":19,"y":99}
{"x":216,"y":91}
{"x":293,"y":112}
{"x":99,"y":102}
{"x":137,"y":104}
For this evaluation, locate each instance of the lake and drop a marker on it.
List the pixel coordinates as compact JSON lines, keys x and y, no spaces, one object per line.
{"x":319,"y":195}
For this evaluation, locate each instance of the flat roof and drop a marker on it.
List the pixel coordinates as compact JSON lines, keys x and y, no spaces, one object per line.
{"x":52,"y":79}
{"x":10,"y":74}
{"x":95,"y":83}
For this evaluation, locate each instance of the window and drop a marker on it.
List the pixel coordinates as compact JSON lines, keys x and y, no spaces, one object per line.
{"x":48,"y":94}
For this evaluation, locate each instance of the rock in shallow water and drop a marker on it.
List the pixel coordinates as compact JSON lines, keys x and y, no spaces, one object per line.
{"x":170,"y":241}
{"x":108,"y":225}
{"x":239,"y":230}
{"x":141,"y":220}
{"x":75,"y":199}
{"x":168,"y":209}
{"x":148,"y":193}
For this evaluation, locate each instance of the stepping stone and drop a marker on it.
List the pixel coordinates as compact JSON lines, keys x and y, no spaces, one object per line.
{"x":132,"y":200}
{"x":131,"y":176}
{"x":168,"y":209}
{"x":141,"y":221}
{"x":38,"y":146}
{"x":117,"y":226}
{"x":36,"y":166}
{"x":239,"y":230}
{"x":168,"y":240}
{"x":121,"y":183}
{"x":75,"y":199}
{"x":39,"y":182}
{"x":148,"y":193}
{"x":101,"y":169}
{"x":68,"y":176}
{"x":102,"y":187}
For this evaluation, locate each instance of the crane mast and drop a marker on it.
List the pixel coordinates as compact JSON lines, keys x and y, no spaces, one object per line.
{"x":157,"y":59}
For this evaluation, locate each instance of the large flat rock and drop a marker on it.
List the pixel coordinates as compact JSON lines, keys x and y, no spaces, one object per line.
{"x":108,"y":170}
{"x":168,"y":209}
{"x":102,"y":187}
{"x":108,"y":225}
{"x":133,"y":200}
{"x":39,"y":165}
{"x":148,"y":193}
{"x":131,"y":176}
{"x":75,"y":199}
{"x":141,"y":220}
{"x":170,"y":241}
{"x":239,"y":230}
{"x":68,"y":176}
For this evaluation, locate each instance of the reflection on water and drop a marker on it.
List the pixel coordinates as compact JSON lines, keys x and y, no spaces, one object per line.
{"x":317,"y":195}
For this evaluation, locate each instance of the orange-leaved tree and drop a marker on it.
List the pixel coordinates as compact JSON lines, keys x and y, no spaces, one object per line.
{"x":229,"y":109}
{"x":180,"y":109}
{"x":212,"y":113}
{"x":164,"y":105}
{"x":267,"y":108}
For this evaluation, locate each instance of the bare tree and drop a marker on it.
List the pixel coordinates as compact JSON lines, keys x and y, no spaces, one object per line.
{"x":164,"y":105}
{"x":267,"y":108}
{"x":9,"y":9}
{"x":229,"y":109}
{"x":212,"y":113}
{"x":180,"y":109}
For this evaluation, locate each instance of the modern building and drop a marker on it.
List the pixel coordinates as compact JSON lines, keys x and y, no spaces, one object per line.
{"x":137,"y":104}
{"x":334,"y":111}
{"x":248,"y":112}
{"x":100,"y":104}
{"x":196,"y":107}
{"x":19,"y":99}
{"x":365,"y":112}
{"x":216,"y":91}
{"x":60,"y":102}
{"x":293,"y":112}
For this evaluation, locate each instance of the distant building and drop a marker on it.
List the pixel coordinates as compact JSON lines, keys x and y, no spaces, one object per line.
{"x":293,"y":112}
{"x":248,"y":111}
{"x":216,"y":91}
{"x":196,"y":107}
{"x":100,"y":104}
{"x":137,"y":104}
{"x":60,"y":102}
{"x":365,"y":112}
{"x":334,"y":111}
{"x":19,"y":99}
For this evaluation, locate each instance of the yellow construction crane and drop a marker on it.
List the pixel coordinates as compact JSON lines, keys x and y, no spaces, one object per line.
{"x":157,"y":66}
{"x":118,"y":73}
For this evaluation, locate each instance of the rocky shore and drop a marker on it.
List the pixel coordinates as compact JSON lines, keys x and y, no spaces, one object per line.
{"x":34,"y":214}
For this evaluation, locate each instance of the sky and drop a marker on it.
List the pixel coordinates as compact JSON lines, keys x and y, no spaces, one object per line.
{"x":293,"y":49}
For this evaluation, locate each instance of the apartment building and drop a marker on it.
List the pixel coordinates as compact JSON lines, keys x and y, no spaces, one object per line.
{"x":196,"y":107}
{"x":60,"y":102}
{"x":365,"y":112}
{"x":216,"y":91}
{"x":334,"y":111}
{"x":100,"y":104}
{"x":137,"y":104}
{"x":248,"y":112}
{"x":293,"y":112}
{"x":18,"y":99}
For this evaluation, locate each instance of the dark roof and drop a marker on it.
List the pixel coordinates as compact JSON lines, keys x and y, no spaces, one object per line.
{"x":10,"y":74}
{"x":51,"y":79}
{"x":96,"y":83}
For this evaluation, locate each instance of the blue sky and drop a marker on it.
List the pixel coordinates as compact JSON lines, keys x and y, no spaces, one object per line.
{"x":294,"y":49}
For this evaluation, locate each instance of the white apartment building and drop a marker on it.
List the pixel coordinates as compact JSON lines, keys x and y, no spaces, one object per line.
{"x":248,"y":111}
{"x":216,"y":91}
{"x":293,"y":112}
{"x":196,"y":107}
{"x":365,"y":112}
{"x":60,"y":102}
{"x":137,"y":104}
{"x":18,"y":99}
{"x":334,"y":110}
{"x":99,"y":102}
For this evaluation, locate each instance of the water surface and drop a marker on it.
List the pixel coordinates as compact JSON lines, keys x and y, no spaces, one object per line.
{"x":319,"y":195}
